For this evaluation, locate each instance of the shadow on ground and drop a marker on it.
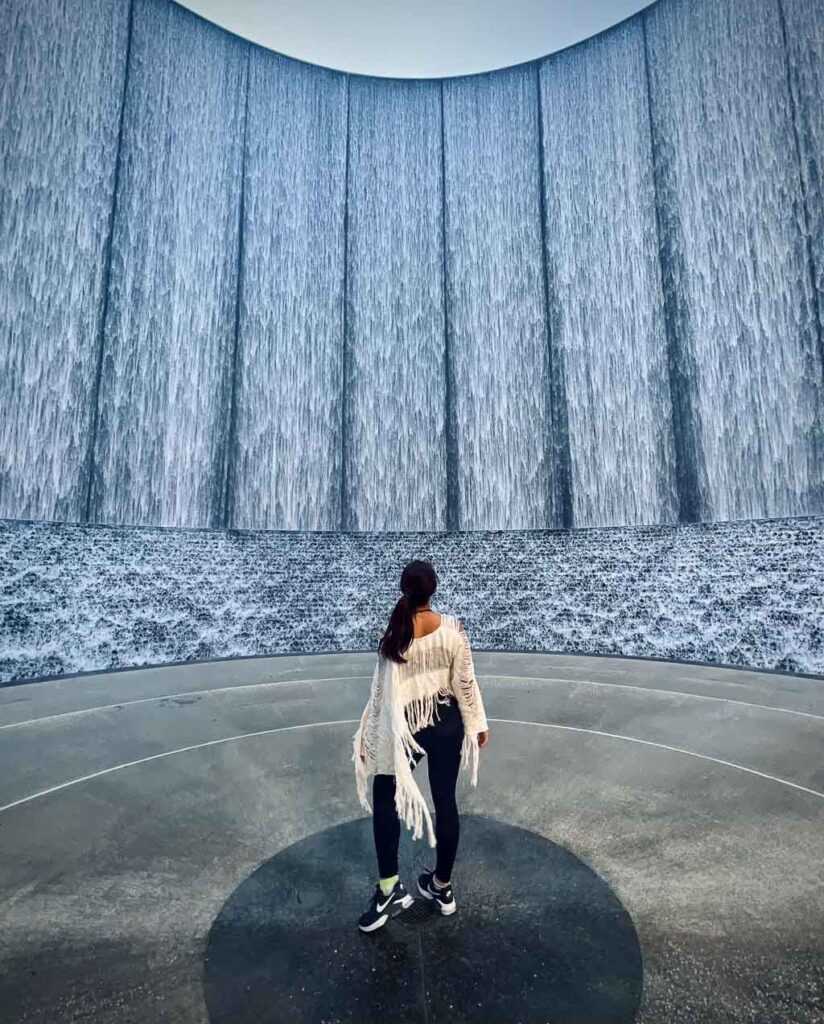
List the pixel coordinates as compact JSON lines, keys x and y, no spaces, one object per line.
{"x":538,"y":937}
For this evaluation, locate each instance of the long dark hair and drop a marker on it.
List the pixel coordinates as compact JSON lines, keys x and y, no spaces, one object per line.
{"x":419,"y":581}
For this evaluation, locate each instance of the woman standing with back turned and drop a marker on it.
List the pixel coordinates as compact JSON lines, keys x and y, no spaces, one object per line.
{"x":427,"y":701}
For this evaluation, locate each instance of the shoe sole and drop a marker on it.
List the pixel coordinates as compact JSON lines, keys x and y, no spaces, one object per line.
{"x":445,"y":908}
{"x":381,"y":921}
{"x":403,"y":904}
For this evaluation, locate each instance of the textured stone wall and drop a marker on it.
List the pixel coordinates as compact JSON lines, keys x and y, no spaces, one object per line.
{"x":76,"y":598}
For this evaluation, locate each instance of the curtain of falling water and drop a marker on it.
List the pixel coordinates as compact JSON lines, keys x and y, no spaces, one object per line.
{"x":605,"y":280}
{"x":285,"y":470}
{"x":805,"y":44}
{"x":742,"y":229}
{"x":734,"y":255}
{"x":496,"y":304}
{"x":395,"y":448}
{"x":61,"y":90}
{"x":171,"y":317}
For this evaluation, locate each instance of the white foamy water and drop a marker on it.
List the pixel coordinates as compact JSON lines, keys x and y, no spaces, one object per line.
{"x":735,"y":256}
{"x":496,"y":302}
{"x":593,"y":304}
{"x":804,"y":26}
{"x":170,"y":329}
{"x":74,"y":598}
{"x":607,"y":303}
{"x":287,"y":450}
{"x":61,"y":87}
{"x":396,"y":431}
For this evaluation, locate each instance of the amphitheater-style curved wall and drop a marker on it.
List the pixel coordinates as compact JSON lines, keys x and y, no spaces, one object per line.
{"x":242,"y":291}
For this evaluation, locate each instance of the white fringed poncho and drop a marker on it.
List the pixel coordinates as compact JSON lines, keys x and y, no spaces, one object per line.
{"x":404,"y":699}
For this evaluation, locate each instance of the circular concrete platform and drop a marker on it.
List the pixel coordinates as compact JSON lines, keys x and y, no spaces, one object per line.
{"x":183,"y":844}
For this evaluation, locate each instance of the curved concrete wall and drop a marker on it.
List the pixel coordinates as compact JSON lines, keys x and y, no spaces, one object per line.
{"x":243,"y":291}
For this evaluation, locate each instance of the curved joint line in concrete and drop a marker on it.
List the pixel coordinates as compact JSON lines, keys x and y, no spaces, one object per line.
{"x":353,"y":721}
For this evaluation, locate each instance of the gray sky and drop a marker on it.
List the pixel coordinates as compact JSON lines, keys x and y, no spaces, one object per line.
{"x":415,"y":38}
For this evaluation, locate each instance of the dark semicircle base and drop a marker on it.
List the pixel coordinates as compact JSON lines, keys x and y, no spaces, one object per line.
{"x":538,"y":937}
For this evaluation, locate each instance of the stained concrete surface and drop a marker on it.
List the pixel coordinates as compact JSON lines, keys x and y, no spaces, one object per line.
{"x":139,"y":807}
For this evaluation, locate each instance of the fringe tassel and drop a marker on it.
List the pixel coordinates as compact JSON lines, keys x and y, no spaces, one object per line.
{"x":470,"y":756}
{"x":423,"y":711}
{"x":409,"y":800}
{"x":361,"y":772}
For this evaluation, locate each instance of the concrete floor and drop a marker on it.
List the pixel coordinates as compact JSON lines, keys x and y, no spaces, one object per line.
{"x":646,"y":843}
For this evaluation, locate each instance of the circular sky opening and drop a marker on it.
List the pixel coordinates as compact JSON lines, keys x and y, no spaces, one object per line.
{"x":425,"y":39}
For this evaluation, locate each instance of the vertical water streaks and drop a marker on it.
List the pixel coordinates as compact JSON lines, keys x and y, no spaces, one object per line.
{"x":453,"y":497}
{"x":170,"y":321}
{"x":803,"y":23}
{"x":287,"y":454}
{"x":94,"y":400}
{"x":680,"y":368}
{"x":496,"y":301}
{"x":476,"y":339}
{"x":606,"y":308}
{"x":345,"y":358}
{"x":224,"y":477}
{"x":396,"y":450}
{"x":561,"y":477}
{"x":732,"y":245}
{"x":60,"y":101}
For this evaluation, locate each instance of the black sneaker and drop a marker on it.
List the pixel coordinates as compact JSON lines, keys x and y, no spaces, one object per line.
{"x":444,"y":898}
{"x":383,"y":907}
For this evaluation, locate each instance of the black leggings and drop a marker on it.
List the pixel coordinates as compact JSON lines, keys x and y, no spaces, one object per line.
{"x":442,"y":742}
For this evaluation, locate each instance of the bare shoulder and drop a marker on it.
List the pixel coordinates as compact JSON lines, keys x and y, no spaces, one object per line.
{"x":454,"y":623}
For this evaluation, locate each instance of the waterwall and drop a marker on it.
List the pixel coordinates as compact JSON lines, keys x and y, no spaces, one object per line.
{"x":241,"y":291}
{"x":76,"y":598}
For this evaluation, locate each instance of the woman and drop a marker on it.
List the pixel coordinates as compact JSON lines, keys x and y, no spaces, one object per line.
{"x":427,"y":702}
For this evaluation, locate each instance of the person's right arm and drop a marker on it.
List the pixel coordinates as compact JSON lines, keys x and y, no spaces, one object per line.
{"x":371,"y":709}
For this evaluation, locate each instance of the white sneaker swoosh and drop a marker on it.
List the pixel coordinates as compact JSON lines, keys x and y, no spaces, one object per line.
{"x":385,"y":905}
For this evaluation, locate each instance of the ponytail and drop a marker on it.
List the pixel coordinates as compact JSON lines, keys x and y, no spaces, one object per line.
{"x":418,"y":583}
